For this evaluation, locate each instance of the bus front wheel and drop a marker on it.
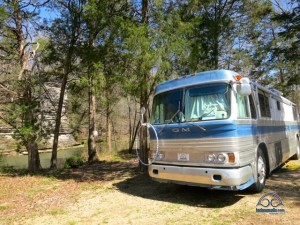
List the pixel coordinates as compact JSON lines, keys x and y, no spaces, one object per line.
{"x":297,"y":155}
{"x":261,"y":172}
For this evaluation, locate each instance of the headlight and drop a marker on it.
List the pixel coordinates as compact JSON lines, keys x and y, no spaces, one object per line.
{"x":160,"y":156}
{"x":211,"y":157}
{"x":221,"y":158}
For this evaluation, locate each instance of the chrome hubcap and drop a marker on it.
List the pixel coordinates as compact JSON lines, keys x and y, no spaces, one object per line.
{"x":261,"y":170}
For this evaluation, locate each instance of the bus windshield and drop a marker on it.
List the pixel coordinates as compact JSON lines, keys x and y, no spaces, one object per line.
{"x":203,"y":102}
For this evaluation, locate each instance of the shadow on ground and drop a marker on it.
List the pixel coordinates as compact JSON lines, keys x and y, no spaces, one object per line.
{"x":127,"y":179}
{"x":141,"y":185}
{"x":286,"y":183}
{"x":89,"y":172}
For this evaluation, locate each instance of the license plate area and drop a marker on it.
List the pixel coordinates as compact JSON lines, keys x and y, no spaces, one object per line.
{"x":184,"y":157}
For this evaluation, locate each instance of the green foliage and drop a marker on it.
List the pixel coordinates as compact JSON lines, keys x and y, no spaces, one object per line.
{"x":112,"y":49}
{"x":286,"y":50}
{"x":74,"y":162}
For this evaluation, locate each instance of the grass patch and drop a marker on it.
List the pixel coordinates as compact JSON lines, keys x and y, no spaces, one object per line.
{"x":3,"y":207}
{"x":292,"y":165}
{"x":13,"y":170}
{"x":49,"y":181}
{"x":34,"y":192}
{"x":71,"y":222}
{"x":55,"y":212}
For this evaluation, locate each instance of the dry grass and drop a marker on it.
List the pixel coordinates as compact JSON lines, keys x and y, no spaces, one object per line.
{"x":114,"y":192}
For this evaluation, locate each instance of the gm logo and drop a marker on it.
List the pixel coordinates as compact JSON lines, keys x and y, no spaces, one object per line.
{"x":183,"y":130}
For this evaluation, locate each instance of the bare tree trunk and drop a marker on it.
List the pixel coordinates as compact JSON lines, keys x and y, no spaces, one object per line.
{"x":143,"y":101}
{"x":143,"y":146}
{"x":130,"y":126}
{"x":114,"y":134}
{"x":108,"y":134}
{"x":33,"y":156}
{"x":92,"y":151}
{"x":58,"y":122}
{"x":108,"y":125}
{"x":75,"y":26}
{"x":29,"y":116}
{"x":31,"y":145}
{"x":133,"y":130}
{"x":134,"y":136}
{"x":20,"y":38}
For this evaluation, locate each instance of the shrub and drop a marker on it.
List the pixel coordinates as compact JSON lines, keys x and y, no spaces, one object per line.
{"x":74,"y":162}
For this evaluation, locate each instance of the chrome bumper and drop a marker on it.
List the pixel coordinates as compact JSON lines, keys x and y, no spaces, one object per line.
{"x":232,"y":179}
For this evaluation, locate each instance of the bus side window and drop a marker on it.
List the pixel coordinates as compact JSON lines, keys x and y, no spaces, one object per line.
{"x":252,"y":107}
{"x":295,"y":113}
{"x":278,"y":105}
{"x":264,"y":105}
{"x":243,"y":111}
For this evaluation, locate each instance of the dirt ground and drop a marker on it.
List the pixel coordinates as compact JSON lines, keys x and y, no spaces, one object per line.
{"x":114,"y":192}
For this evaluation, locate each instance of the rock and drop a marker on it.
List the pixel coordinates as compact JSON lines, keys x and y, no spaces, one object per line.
{"x":48,"y":102}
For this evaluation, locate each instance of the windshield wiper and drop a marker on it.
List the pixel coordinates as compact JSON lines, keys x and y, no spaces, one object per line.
{"x":190,"y":121}
{"x":196,"y":125}
{"x":169,"y":121}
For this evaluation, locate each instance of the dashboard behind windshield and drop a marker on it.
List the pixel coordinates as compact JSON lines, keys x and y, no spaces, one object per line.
{"x":197,"y":103}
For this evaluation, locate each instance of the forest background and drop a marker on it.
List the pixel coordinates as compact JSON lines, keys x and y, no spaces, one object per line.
{"x":108,"y":56}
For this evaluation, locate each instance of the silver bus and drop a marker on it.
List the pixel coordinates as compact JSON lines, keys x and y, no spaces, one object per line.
{"x":219,"y":130}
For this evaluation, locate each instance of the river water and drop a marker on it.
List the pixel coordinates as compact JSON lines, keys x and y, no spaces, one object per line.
{"x":21,"y":161}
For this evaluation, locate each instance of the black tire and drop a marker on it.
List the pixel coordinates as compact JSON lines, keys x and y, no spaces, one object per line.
{"x":261,"y":172}
{"x":297,"y":155}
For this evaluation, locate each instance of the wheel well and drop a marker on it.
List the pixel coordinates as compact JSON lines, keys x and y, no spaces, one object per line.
{"x":263,"y":147}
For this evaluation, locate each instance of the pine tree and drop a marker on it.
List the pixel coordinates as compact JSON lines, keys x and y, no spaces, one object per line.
{"x":21,"y":81}
{"x":65,"y":33}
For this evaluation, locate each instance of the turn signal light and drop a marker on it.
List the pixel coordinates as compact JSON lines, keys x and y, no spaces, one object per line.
{"x":231,"y":157}
{"x":238,"y":77}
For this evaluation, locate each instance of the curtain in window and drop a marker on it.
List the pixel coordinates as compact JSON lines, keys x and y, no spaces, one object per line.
{"x":242,"y":107}
{"x":206,"y":106}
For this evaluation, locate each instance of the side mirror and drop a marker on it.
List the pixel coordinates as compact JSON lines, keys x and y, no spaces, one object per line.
{"x":244,"y":87}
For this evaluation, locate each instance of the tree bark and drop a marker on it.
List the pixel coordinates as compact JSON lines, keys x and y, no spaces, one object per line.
{"x":20,"y":37}
{"x":92,"y":151}
{"x":75,"y":26}
{"x":144,"y":100}
{"x":33,"y":156}
{"x":143,"y":146}
{"x":58,"y":122}
{"x":31,"y":144}
{"x":108,"y":134}
{"x":27,"y":98}
{"x":129,"y":127}
{"x":143,"y":133}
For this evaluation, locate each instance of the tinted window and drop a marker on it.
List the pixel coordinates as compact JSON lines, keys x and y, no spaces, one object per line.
{"x":243,"y":111}
{"x":165,"y":107}
{"x":295,"y":113}
{"x":207,"y":102}
{"x":252,"y":107}
{"x":278,"y":105}
{"x":264,"y":105}
{"x":203,"y":102}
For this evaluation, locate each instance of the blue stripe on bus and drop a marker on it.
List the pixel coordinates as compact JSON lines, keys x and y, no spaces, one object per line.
{"x":215,"y":130}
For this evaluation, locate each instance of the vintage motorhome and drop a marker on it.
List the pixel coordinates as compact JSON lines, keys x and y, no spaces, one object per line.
{"x":218,"y":130}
